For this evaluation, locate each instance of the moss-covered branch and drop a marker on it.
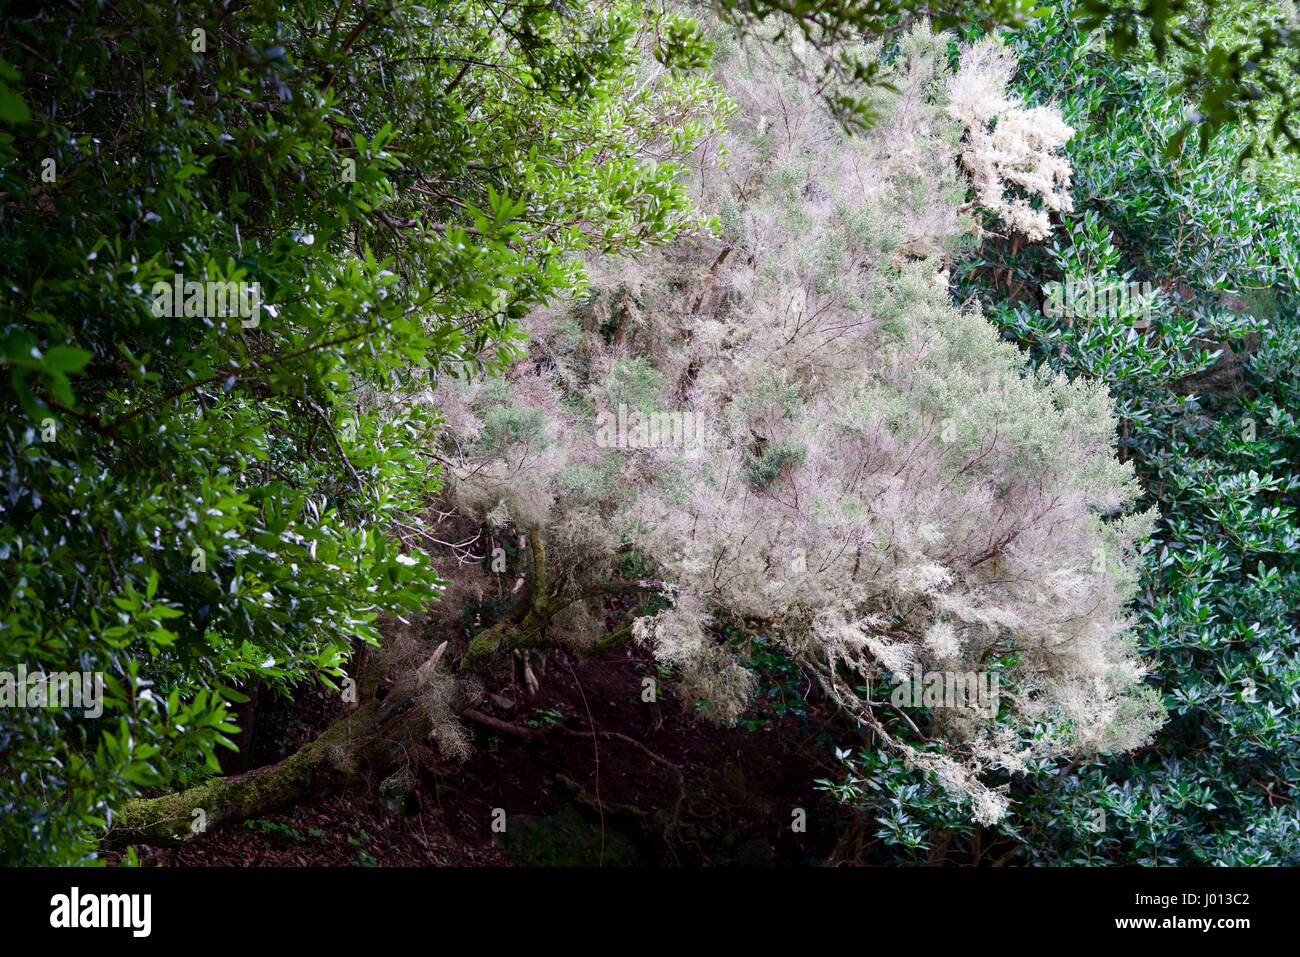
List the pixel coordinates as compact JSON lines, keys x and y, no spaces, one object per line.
{"x":371,"y":738}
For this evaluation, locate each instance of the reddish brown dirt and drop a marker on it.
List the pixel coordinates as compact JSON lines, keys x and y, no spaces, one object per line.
{"x":571,"y":799}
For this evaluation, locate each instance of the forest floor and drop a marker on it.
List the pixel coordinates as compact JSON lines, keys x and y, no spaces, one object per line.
{"x":655,"y":786}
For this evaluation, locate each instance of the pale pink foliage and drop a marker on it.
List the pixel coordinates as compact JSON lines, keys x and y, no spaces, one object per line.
{"x":884,"y":483}
{"x":1012,"y":152}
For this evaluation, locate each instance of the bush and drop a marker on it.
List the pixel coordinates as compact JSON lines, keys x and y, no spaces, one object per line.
{"x":201,"y":498}
{"x":1205,"y":398}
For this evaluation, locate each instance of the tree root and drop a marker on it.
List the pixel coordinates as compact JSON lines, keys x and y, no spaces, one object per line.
{"x":176,"y":818}
{"x":370,"y":739}
{"x":532,"y":735}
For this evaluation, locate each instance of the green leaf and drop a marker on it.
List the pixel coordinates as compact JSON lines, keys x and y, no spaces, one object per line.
{"x":12,"y":107}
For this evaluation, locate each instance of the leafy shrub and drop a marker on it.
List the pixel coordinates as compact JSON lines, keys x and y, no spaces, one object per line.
{"x":1205,"y":397}
{"x":881,"y":484}
{"x":198,"y":502}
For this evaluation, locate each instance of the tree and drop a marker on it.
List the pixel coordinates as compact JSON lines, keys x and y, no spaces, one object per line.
{"x":791,"y":429}
{"x":203,"y":495}
{"x":1201,"y":371}
{"x":1236,"y":60}
{"x":272,"y":276}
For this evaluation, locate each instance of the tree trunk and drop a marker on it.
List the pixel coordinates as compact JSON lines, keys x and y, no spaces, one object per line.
{"x":370,"y":739}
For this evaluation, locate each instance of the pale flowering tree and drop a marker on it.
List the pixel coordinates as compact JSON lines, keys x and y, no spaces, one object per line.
{"x":792,"y":428}
{"x":1011,"y":152}
{"x":779,"y":426}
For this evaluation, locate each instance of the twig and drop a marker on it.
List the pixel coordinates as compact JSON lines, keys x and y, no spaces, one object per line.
{"x":329,"y":426}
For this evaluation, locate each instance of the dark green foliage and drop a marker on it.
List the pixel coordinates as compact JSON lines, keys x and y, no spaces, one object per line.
{"x":1236,"y":61}
{"x":775,"y":459}
{"x":780,"y":685}
{"x":1242,"y":75}
{"x":196,"y":502}
{"x":1207,"y":396}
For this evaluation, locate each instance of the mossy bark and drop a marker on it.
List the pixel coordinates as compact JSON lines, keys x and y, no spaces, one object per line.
{"x":328,"y":760}
{"x":525,"y":626}
{"x":370,"y":739}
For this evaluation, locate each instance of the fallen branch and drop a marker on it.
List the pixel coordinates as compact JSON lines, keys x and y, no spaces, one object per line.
{"x":368,"y":739}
